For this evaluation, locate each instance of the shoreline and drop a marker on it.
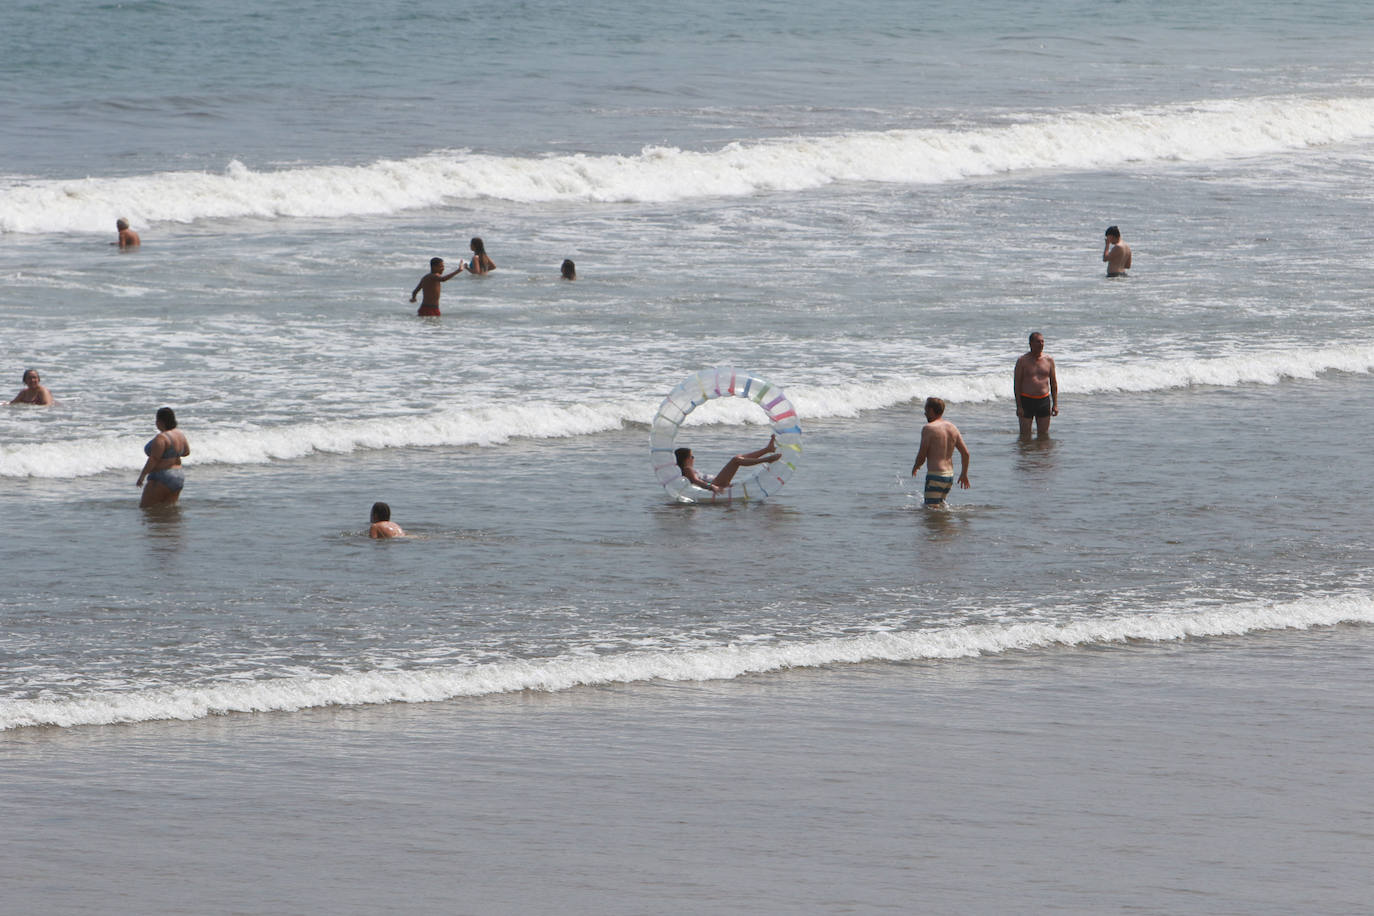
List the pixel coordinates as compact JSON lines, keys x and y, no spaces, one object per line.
{"x":1205,"y":777}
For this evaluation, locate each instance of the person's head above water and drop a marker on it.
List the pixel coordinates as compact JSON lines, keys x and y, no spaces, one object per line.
{"x":477,"y":246}
{"x":381,"y":512}
{"x":935,"y":407}
{"x":1113,"y":233}
{"x":682,"y":454}
{"x":436,"y":265}
{"x":166,"y":418}
{"x":30,"y":375}
{"x":569,"y":270}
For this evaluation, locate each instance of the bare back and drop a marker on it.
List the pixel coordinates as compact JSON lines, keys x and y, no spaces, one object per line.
{"x":1118,"y":258}
{"x":939,"y":439}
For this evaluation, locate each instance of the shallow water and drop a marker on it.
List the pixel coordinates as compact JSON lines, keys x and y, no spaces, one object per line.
{"x":864,"y":206}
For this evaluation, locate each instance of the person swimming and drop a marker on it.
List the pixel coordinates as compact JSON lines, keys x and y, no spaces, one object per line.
{"x":163,"y":470}
{"x":569,"y":270}
{"x":480,"y":263}
{"x":35,"y":392}
{"x":128,"y":238}
{"x":382,"y":525}
{"x":721,"y":481}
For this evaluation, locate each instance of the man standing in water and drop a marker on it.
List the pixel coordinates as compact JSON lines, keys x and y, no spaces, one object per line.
{"x":1035,"y":388}
{"x":34,"y":392}
{"x":429,"y":305}
{"x":939,"y":439}
{"x":1117,"y":253}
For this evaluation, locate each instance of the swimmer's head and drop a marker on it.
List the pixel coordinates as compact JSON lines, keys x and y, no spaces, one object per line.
{"x":1114,"y":233}
{"x":381,"y":512}
{"x":1036,"y":339}
{"x":569,"y":270}
{"x":166,"y":418}
{"x":121,"y":224}
{"x":477,"y":246}
{"x":436,"y":263}
{"x":682,"y":454}
{"x":30,"y":374}
{"x":935,"y":407}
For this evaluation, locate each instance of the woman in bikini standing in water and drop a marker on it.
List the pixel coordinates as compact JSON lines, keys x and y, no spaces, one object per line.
{"x":162,"y":470}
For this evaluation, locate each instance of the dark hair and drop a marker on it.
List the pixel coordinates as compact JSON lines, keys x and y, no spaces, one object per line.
{"x":121,"y":223}
{"x":681,"y":454}
{"x":381,"y":512}
{"x":1112,"y":230}
{"x":477,"y":247}
{"x":435,"y":262}
{"x":1033,"y":335}
{"x":935,"y":406}
{"x":167,"y":417}
{"x":569,"y":269}
{"x":27,"y":373}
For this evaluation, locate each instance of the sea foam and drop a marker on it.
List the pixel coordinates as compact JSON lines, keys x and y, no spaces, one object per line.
{"x":705,"y":664}
{"x":496,"y":424}
{"x":1201,"y":131}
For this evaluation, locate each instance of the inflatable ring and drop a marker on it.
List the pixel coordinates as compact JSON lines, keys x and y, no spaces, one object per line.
{"x":724,"y":382}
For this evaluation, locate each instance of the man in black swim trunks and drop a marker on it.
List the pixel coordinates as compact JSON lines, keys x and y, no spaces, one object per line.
{"x":1035,"y":387}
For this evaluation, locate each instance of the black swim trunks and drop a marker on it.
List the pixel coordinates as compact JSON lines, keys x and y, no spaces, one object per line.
{"x":1035,"y":407}
{"x":1113,"y":275}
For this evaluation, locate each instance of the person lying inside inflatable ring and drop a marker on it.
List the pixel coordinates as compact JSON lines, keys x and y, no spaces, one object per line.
{"x":721,"y":481}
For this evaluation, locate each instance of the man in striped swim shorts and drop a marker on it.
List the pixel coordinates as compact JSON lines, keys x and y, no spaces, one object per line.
{"x":939,"y":439}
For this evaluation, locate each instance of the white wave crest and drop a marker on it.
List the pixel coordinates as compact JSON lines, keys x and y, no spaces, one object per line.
{"x":454,"y":427}
{"x":1209,"y":130}
{"x":498,"y":424}
{"x":722,"y":663}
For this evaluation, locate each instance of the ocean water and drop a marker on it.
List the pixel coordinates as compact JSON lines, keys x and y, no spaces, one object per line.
{"x":865,"y":206}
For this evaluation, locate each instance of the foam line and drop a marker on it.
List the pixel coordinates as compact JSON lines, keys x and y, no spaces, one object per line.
{"x":720,"y":663}
{"x":498,"y":424}
{"x":1065,"y":141}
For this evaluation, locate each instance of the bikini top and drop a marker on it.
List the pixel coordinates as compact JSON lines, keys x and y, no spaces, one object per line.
{"x":172,"y":451}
